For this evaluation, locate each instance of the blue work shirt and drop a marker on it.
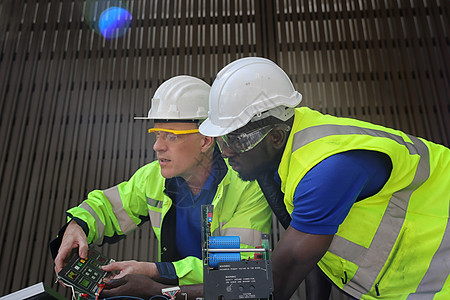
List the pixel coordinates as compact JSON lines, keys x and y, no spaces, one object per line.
{"x":188,"y":215}
{"x":325,"y":195}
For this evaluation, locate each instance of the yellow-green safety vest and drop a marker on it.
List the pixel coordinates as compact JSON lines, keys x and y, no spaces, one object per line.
{"x":396,"y":243}
{"x":239,"y":209}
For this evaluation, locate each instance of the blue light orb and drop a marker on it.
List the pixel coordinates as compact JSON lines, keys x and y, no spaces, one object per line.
{"x":109,"y":18}
{"x":114,"y":22}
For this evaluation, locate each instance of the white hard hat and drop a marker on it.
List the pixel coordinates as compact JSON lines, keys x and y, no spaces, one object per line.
{"x":248,"y":89}
{"x":180,"y":98}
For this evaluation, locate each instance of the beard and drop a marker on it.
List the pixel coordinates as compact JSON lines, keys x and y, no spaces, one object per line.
{"x":254,"y":173}
{"x":259,"y":160}
{"x":247,"y":177}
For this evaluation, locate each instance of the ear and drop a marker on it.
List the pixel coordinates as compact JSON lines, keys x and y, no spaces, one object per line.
{"x":207,"y":143}
{"x":278,"y":138}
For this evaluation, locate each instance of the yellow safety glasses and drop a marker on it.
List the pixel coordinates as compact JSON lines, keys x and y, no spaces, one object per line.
{"x":170,"y":135}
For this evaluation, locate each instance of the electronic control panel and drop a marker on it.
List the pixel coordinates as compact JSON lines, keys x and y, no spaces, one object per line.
{"x":225,"y":274}
{"x":84,"y":275}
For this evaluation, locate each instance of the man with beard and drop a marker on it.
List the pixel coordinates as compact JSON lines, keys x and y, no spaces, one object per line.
{"x":369,"y":204}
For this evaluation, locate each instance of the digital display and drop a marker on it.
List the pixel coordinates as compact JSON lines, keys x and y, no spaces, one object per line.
{"x":85,"y":282}
{"x":72,"y":275}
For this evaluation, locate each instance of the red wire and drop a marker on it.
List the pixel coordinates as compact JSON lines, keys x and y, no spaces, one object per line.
{"x":99,"y":290}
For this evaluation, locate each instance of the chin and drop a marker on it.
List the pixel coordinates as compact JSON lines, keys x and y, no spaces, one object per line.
{"x":253,"y":173}
{"x":248,"y":176}
{"x":166,"y":174}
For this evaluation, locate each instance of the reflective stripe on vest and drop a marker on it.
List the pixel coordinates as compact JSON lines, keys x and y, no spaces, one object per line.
{"x":100,"y":225}
{"x":126,"y":224}
{"x":155,"y":216}
{"x":432,"y":280}
{"x":389,"y":228}
{"x":247,"y":236}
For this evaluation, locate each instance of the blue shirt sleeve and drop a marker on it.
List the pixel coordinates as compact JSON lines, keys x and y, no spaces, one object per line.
{"x":324,"y":196}
{"x":166,"y":270}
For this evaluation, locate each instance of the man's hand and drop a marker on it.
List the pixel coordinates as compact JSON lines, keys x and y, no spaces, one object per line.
{"x":74,"y":237}
{"x":123,"y":268}
{"x":135,"y":285}
{"x":295,"y":255}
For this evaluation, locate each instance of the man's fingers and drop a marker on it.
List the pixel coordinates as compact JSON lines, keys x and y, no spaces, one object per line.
{"x":57,"y":269}
{"x":115,"y":287}
{"x":114,"y":266}
{"x":113,"y":283}
{"x":111,"y":290}
{"x":58,"y":266}
{"x":65,"y":252}
{"x":60,"y":261}
{"x":83,"y":250}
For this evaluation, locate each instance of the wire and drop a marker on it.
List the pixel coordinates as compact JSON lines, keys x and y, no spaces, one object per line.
{"x":100,"y":287}
{"x":124,"y":297}
{"x":73,"y":291}
{"x":133,"y":297}
{"x":97,"y":293}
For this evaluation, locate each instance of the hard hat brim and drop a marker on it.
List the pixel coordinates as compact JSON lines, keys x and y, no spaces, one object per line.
{"x":164,"y":120}
{"x":208,"y":128}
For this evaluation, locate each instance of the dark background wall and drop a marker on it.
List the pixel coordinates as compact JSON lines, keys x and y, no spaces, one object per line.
{"x":68,"y":96}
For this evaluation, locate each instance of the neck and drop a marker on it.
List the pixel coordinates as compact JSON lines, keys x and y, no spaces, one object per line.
{"x":198,"y":177}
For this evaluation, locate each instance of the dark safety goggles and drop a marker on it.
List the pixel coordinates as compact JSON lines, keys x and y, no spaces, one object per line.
{"x":246,"y":141}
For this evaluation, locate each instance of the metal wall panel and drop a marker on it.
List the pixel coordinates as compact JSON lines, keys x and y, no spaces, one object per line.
{"x":68,"y":96}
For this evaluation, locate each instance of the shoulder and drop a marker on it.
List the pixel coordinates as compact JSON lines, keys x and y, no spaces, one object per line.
{"x":150,"y":172}
{"x":149,"y":168}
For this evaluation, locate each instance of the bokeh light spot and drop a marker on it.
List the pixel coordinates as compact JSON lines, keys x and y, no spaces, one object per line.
{"x":114,"y":22}
{"x":109,"y":18}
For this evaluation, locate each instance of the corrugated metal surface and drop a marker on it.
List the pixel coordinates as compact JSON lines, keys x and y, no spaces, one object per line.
{"x":68,"y":96}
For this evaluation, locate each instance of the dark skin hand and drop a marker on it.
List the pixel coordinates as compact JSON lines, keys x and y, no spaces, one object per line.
{"x":142,"y":286}
{"x":295,"y":255}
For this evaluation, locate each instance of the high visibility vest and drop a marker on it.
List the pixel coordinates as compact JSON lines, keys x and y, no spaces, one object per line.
{"x":396,"y":243}
{"x":239,"y":209}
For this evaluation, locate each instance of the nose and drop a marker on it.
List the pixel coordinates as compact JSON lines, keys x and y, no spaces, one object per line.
{"x":159,"y":145}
